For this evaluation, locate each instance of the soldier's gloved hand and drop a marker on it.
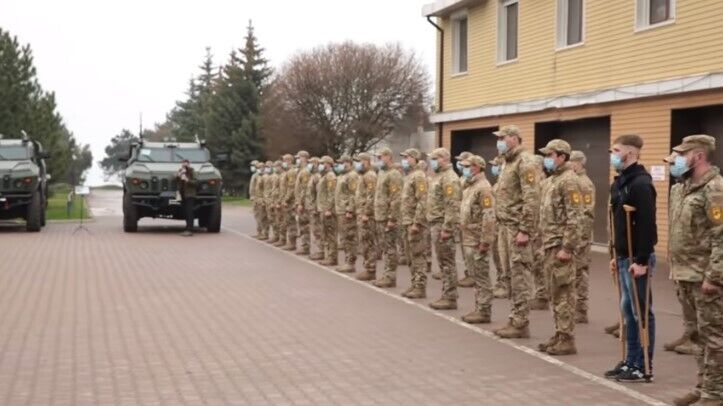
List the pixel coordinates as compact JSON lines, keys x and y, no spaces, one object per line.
{"x":483,"y":248}
{"x":709,"y":288}
{"x":444,"y":236}
{"x":413,"y":229}
{"x":522,"y":239}
{"x":563,"y":256}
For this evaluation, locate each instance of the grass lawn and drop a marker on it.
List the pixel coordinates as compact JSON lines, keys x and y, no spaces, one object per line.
{"x":236,"y":201}
{"x":57,"y":208}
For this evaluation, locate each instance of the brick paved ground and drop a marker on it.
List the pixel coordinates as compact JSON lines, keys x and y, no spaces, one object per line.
{"x":153,"y":318}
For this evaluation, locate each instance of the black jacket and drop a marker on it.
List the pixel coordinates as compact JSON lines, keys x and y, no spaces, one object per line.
{"x":634,"y":187}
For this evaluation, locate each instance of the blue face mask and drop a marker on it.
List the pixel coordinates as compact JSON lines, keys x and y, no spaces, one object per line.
{"x":434,"y":164}
{"x":467,"y":172}
{"x":322,"y":168}
{"x":379,"y":164}
{"x":680,"y":167}
{"x":458,"y":165}
{"x":269,"y":171}
{"x":495,"y":170}
{"x":405,"y":164}
{"x":310,"y":167}
{"x":549,"y":164}
{"x":253,"y":169}
{"x":339,"y":168}
{"x":616,"y":162}
{"x":358,"y":166}
{"x":502,"y":147}
{"x":285,"y":165}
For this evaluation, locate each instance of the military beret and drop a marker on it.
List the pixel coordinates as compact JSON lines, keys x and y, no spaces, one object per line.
{"x":703,"y":141}
{"x":383,"y":151}
{"x":557,"y":146}
{"x":302,"y":154}
{"x":439,"y":153}
{"x":412,"y":152}
{"x":326,"y":159}
{"x":507,"y":130}
{"x":463,"y":155}
{"x":475,"y":160}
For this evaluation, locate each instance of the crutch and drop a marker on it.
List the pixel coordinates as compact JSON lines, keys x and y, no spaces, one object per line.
{"x":642,"y":326}
{"x":616,"y":282}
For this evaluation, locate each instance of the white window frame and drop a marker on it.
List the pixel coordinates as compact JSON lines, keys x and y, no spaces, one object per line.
{"x":561,"y":25}
{"x":454,"y":20}
{"x":502,"y":31}
{"x":642,"y":15}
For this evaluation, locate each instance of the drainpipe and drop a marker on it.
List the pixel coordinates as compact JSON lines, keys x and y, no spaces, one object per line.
{"x":440,"y":90}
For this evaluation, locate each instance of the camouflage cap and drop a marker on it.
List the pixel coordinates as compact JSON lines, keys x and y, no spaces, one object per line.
{"x":463,"y":155}
{"x":314,"y":159}
{"x":578,"y":156}
{"x":344,"y":158}
{"x":260,"y":163}
{"x":326,"y":159}
{"x":412,"y":152}
{"x":507,"y":130}
{"x":439,"y":153}
{"x":383,"y":151}
{"x":277,"y":163}
{"x":475,"y":160}
{"x":254,"y":162}
{"x":557,"y":146}
{"x":269,"y":163}
{"x":703,"y":141}
{"x":363,"y":156}
{"x":287,"y":157}
{"x":302,"y":154}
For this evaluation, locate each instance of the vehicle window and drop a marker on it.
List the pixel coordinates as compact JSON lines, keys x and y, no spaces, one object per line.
{"x":14,"y":153}
{"x":172,"y":155}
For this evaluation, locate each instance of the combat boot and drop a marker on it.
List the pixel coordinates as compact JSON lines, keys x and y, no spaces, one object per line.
{"x":329,"y":262}
{"x":501,"y":293}
{"x":539,"y":304}
{"x":611,"y":329}
{"x":542,"y":347}
{"x":581,"y":318}
{"x":263,"y":238}
{"x":279,"y":243}
{"x":417,"y":292}
{"x":688,"y":399}
{"x":437,"y":275}
{"x":367,"y":276}
{"x":406,"y":292}
{"x":444,"y":304}
{"x":510,"y":331}
{"x":689,"y":348}
{"x":302,"y":251}
{"x":316,"y":256}
{"x":289,"y":247}
{"x":708,"y":402}
{"x":346,"y":268}
{"x":272,"y":240}
{"x":476,"y":317}
{"x":565,"y":345}
{"x":385,"y":282}
{"x":466,"y":282}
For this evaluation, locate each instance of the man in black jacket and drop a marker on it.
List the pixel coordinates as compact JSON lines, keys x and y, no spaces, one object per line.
{"x":633,"y":187}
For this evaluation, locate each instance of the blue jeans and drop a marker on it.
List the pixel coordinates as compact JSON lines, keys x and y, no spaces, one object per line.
{"x":632,"y":334}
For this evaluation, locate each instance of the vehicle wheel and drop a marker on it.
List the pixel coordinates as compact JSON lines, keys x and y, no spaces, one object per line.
{"x":203,"y":218}
{"x":130,"y":215}
{"x":43,"y":210}
{"x":34,"y":213}
{"x":213,"y":218}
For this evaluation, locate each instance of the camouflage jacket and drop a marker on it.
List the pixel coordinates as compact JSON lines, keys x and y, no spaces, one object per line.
{"x":518,"y":193}
{"x":477,"y":212}
{"x":346,"y":186}
{"x":587,"y":190}
{"x":253,"y":184}
{"x":302,"y":180}
{"x":414,"y":198}
{"x":310,"y":196}
{"x":325,"y":189}
{"x":387,"y":201}
{"x":561,"y":209}
{"x":364,"y":197}
{"x":275,"y":195}
{"x":443,"y":199}
{"x":289,"y":182}
{"x":696,"y":230}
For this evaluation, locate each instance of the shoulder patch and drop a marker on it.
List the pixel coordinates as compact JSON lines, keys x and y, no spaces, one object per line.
{"x":487,"y":202}
{"x":393,"y":188}
{"x":352,"y":186}
{"x":370,"y":185}
{"x":530,"y":176}
{"x":449,"y":191}
{"x":575,"y":197}
{"x":422,"y":186}
{"x":587,"y":198}
{"x":330,"y":184}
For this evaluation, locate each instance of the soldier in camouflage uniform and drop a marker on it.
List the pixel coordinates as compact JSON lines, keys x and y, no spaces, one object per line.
{"x":310,"y":207}
{"x":443,"y":200}
{"x":325,"y":191}
{"x":466,"y":281}
{"x":402,"y":248}
{"x":477,"y":222}
{"x":414,"y":220}
{"x":502,"y":272}
{"x":261,"y":200}
{"x":346,"y":187}
{"x":288,"y":216}
{"x":560,"y":216}
{"x":253,"y":189}
{"x":387,"y":214}
{"x":268,"y":182}
{"x":696,"y":257}
{"x":300,"y":189}
{"x":517,"y":200}
{"x":582,"y":253}
{"x":364,"y":202}
{"x":279,"y":234}
{"x":540,"y":293}
{"x":423,"y":167}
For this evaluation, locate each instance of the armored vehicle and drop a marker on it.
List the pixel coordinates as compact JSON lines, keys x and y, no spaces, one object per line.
{"x":150,"y":184}
{"x":23,"y":181}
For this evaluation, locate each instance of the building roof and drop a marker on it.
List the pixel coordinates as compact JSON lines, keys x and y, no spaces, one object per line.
{"x":444,"y":7}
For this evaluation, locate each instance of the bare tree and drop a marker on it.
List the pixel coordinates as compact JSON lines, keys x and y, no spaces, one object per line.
{"x":353,"y":95}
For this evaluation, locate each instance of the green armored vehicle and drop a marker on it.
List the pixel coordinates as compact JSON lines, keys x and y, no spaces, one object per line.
{"x":150,"y":184}
{"x":23,"y":182}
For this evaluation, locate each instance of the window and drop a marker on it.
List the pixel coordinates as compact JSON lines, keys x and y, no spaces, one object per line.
{"x":570,"y":22}
{"x":507,"y":30}
{"x":653,"y":12}
{"x":459,"y":43}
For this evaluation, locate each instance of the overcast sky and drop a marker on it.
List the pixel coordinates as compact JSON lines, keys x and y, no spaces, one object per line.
{"x":109,"y":61}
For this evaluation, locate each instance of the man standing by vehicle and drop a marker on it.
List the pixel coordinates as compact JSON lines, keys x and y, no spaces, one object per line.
{"x":187,"y":188}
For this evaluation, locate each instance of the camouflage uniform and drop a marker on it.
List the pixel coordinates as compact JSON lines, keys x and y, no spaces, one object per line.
{"x":561,"y":211}
{"x":540,"y":292}
{"x":311,"y":208}
{"x":288,"y":184}
{"x":325,"y":189}
{"x":582,"y":253}
{"x":696,"y":255}
{"x":274,"y":198}
{"x":402,"y":246}
{"x":364,"y":200}
{"x":502,"y":271}
{"x":443,"y":202}
{"x":255,"y":198}
{"x":466,"y":281}
{"x":477,"y":223}
{"x":387,"y":210}
{"x":300,"y":187}
{"x":414,"y":200}
{"x":516,"y":206}
{"x":346,"y":187}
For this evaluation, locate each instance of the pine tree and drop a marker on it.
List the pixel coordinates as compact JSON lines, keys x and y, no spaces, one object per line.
{"x":255,"y":66}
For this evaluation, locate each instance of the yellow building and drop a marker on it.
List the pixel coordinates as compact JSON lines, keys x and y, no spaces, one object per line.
{"x":582,"y":70}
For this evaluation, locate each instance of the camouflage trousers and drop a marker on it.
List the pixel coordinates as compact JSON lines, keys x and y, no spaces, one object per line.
{"x":686,"y":292}
{"x":290,"y":228}
{"x":478,"y":265}
{"x":348,"y":238}
{"x":517,"y":260}
{"x":446,"y":251}
{"x":403,"y":244}
{"x":304,"y":230}
{"x":281,"y":228}
{"x":467,"y":265}
{"x":389,"y":247}
{"x":330,"y":231}
{"x":273,"y":217}
{"x":582,"y":278}
{"x":709,"y":309}
{"x":418,"y":251}
{"x":316,"y":229}
{"x":502,"y":269}
{"x":561,"y":283}
{"x":262,"y":221}
{"x":539,"y":280}
{"x":368,"y":243}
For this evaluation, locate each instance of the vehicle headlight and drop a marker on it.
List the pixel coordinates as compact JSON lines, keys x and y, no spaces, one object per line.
{"x":144,"y":185}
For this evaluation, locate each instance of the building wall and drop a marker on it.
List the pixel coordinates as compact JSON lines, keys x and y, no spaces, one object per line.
{"x":612,"y":55}
{"x":650,"y":118}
